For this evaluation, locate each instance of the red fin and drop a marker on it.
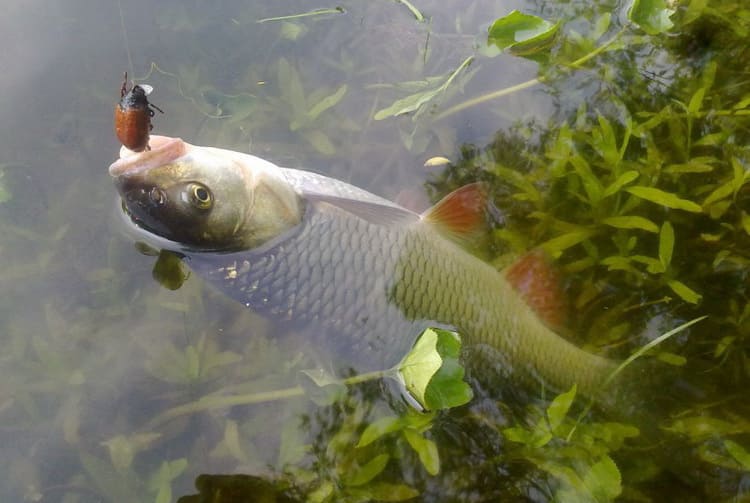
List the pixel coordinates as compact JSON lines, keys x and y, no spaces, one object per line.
{"x":461,"y":214}
{"x":540,"y":285}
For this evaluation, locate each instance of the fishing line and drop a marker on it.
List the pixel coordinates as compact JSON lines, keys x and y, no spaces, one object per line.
{"x":125,"y":38}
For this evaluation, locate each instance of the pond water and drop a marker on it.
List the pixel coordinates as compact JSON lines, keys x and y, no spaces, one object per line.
{"x":627,"y":166}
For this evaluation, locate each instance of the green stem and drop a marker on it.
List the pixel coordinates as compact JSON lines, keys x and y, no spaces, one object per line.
{"x":213,"y":402}
{"x":525,"y":85}
{"x":413,"y":9}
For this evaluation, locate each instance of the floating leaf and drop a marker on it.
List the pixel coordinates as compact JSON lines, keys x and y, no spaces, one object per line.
{"x":631,"y":222}
{"x":652,"y":16}
{"x":431,"y":372}
{"x":522,"y":34}
{"x":664,"y":198}
{"x":415,"y":101}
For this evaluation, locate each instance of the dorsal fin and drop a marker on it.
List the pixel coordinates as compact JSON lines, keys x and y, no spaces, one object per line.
{"x":461,"y":215}
{"x":539,"y":284}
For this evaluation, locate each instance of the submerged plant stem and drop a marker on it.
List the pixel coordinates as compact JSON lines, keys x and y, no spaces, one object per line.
{"x":529,"y":83}
{"x":212,"y":402}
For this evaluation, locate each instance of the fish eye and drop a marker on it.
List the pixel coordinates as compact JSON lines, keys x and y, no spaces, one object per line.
{"x":200,"y":196}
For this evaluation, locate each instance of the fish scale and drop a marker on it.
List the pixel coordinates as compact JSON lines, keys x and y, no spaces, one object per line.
{"x":374,"y":296}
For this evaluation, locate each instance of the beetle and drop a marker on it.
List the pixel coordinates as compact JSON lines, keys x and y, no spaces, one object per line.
{"x":133,"y":116}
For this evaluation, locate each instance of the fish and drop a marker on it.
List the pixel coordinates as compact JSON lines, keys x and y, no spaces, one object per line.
{"x":358,"y":272}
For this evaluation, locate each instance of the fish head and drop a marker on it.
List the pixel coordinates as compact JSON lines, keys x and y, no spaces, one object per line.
{"x":205,"y":199}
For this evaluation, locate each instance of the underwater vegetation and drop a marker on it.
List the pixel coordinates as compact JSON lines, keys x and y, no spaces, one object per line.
{"x":635,"y":184}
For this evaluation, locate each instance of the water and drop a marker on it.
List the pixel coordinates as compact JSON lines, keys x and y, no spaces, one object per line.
{"x":100,"y":360}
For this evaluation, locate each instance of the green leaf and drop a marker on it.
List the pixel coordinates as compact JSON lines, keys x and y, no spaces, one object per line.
{"x":426,"y":450}
{"x":603,"y":480}
{"x":652,"y":16}
{"x":557,"y":245}
{"x":631,"y":222}
{"x":685,"y":293}
{"x":415,"y":101}
{"x":664,"y":198}
{"x":559,"y":407}
{"x":420,"y":364}
{"x":522,"y":34}
{"x":290,"y":85}
{"x":327,"y":102}
{"x":168,"y":270}
{"x":666,"y":244}
{"x":621,"y":181}
{"x":368,"y":471}
{"x":379,"y":428}
{"x":738,"y":453}
{"x":671,"y":358}
{"x":382,"y":491}
{"x":431,"y":372}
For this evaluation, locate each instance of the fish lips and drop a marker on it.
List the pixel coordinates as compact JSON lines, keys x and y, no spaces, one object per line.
{"x":142,"y":201}
{"x":163,"y":151}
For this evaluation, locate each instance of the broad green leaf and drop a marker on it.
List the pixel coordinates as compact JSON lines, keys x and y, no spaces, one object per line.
{"x":426,"y":449}
{"x":631,"y":222}
{"x":447,"y":388}
{"x":522,"y":34}
{"x":368,"y":471}
{"x":721,"y":192}
{"x":420,"y":364}
{"x":432,"y":373}
{"x":377,"y":429}
{"x":664,"y":198}
{"x":603,"y":480}
{"x":666,"y":244}
{"x":652,"y":16}
{"x":685,"y":292}
{"x":738,"y":453}
{"x":559,"y":407}
{"x":415,"y":101}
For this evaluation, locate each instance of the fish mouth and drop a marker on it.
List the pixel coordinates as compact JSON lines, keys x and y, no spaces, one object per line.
{"x":163,"y":151}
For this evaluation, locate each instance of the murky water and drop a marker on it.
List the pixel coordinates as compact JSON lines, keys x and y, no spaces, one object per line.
{"x":114,"y":388}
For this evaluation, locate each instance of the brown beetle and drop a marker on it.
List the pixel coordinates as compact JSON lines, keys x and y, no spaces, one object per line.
{"x":133,"y":116}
